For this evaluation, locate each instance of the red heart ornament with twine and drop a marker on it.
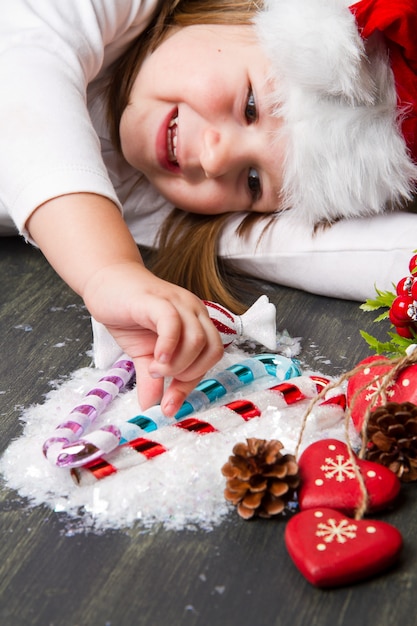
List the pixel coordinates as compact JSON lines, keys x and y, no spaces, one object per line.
{"x":330,"y":549}
{"x":403,"y":389}
{"x":328,"y":478}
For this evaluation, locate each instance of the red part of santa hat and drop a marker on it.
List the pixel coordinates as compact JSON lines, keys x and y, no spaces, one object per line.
{"x":334,"y":89}
{"x":397,"y":21}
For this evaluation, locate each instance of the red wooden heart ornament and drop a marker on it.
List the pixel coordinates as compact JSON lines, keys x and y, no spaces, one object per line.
{"x":404,"y":389}
{"x":328,"y":479}
{"x":331,"y":549}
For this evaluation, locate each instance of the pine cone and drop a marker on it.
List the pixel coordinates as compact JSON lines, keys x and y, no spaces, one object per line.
{"x":392,"y":435}
{"x":259,"y":479}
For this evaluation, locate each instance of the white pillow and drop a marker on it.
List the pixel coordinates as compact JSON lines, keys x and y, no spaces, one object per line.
{"x":346,"y":260}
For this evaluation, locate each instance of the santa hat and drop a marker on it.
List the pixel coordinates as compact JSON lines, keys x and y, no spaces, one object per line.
{"x":336,"y":95}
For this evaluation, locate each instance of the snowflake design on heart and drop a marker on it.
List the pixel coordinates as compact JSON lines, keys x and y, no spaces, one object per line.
{"x":339,"y":468}
{"x":375,"y":390}
{"x":333,"y":531}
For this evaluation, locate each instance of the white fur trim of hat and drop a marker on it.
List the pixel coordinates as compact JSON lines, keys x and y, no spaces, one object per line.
{"x":335,"y":93}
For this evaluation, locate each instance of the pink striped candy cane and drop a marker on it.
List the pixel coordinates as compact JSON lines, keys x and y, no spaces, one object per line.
{"x":84,"y":414}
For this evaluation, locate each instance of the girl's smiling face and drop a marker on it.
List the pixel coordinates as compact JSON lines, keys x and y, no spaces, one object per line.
{"x":198,"y":125}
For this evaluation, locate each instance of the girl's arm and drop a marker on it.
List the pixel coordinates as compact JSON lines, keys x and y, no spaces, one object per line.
{"x":50,"y":53}
{"x":165,"y":329}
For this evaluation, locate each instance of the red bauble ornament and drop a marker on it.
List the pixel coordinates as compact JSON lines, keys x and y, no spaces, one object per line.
{"x":331,"y":549}
{"x":403,"y":389}
{"x":328,"y":478}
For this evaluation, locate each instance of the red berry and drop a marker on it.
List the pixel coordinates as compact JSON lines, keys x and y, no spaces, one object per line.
{"x":408,"y":332}
{"x":413,"y":264}
{"x":398,"y":312}
{"x":395,"y":321}
{"x":404,"y":331}
{"x":404,"y":286}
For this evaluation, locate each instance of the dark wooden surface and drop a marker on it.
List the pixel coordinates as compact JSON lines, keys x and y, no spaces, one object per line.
{"x":239,"y":573}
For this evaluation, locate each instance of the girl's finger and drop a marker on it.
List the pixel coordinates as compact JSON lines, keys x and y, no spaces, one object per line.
{"x":175,"y":395}
{"x":199,"y":348}
{"x":149,"y":387}
{"x":169,"y":331}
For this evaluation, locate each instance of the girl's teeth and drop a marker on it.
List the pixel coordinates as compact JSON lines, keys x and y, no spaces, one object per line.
{"x":172,"y":140}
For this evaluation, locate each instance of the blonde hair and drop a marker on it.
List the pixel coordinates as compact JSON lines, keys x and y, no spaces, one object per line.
{"x":187,"y":246}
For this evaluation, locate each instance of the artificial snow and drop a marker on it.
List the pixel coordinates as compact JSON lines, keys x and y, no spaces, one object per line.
{"x":182,"y":488}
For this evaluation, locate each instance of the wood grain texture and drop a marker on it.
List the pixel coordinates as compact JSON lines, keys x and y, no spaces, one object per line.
{"x":237,"y":574}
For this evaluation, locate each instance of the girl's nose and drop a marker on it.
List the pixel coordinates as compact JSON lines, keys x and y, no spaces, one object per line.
{"x":216,"y":153}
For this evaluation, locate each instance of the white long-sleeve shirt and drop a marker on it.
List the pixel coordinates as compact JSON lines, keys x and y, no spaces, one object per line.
{"x":54,"y":140}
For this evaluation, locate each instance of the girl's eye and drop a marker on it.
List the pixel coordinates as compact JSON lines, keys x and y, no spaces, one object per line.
{"x":254,"y":184}
{"x":251,"y":114}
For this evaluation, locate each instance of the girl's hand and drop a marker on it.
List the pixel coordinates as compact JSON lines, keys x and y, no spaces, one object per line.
{"x":165,"y":329}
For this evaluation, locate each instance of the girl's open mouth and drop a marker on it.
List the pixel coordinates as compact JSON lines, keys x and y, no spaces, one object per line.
{"x":166,"y":142}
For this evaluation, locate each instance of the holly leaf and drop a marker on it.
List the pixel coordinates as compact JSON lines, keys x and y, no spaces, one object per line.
{"x":395,"y":347}
{"x":379,"y":347}
{"x":382,"y":316}
{"x":383,"y":300}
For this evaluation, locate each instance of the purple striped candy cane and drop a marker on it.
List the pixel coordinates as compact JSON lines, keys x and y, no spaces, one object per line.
{"x":83,"y":415}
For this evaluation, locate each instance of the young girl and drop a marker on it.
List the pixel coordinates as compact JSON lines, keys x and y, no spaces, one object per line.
{"x":115,"y":111}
